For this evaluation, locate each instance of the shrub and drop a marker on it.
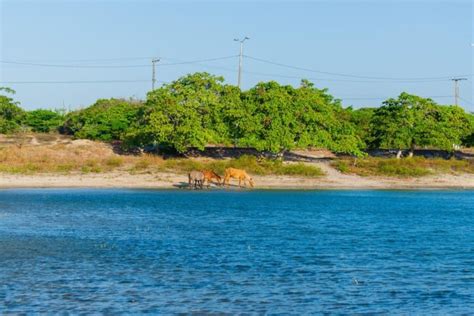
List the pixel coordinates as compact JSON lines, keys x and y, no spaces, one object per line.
{"x":44,"y":121}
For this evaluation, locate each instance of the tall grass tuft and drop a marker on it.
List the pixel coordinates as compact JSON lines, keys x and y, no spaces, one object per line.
{"x":407,"y":167}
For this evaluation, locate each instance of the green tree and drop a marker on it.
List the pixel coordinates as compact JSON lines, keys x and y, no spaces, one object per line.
{"x":362,"y":119}
{"x":468,"y":140}
{"x":44,"y":121}
{"x":11,"y":115}
{"x":411,"y":121}
{"x":189,"y":112}
{"x":107,"y":119}
{"x":452,"y":125}
{"x":281,"y":118}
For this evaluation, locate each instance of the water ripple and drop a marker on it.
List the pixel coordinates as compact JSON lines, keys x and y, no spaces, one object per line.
{"x":258,"y":252}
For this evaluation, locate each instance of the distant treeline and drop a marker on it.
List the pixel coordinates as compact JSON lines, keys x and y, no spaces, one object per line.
{"x":199,"y":109}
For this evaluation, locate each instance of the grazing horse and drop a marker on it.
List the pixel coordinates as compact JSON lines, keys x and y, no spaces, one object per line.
{"x":209,"y":175}
{"x":196,"y":178}
{"x":237,"y":174}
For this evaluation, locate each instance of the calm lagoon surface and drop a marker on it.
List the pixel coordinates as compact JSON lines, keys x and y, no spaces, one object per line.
{"x":282,"y":252}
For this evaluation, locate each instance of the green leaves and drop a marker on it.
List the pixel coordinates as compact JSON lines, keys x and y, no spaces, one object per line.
{"x":280,"y":118}
{"x":199,"y":109}
{"x":410,"y":121}
{"x":193,"y":111}
{"x":105,"y":120}
{"x":11,"y":115}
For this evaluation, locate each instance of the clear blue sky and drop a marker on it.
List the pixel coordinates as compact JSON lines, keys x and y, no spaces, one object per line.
{"x":395,"y":39}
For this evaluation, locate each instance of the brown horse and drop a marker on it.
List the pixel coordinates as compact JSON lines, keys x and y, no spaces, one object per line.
{"x":209,"y":175}
{"x":237,"y":174}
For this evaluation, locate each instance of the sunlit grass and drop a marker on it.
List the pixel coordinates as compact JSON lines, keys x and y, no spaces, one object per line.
{"x":95,"y":157}
{"x":406,"y":167}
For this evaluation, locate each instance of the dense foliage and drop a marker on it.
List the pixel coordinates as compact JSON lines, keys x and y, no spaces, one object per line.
{"x":44,"y":121}
{"x":190,"y":112}
{"x":362,"y":119}
{"x":279,"y":118}
{"x":411,"y":121}
{"x":200,"y":109}
{"x":11,"y":115}
{"x":105,"y":120}
{"x":468,"y":139}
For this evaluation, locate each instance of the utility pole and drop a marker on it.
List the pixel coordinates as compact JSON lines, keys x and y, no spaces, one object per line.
{"x":456,"y":89}
{"x":153,"y":78}
{"x":241,"y":55}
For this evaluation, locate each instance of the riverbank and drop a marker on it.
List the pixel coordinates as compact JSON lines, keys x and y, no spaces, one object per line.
{"x":332,"y":180}
{"x":67,"y":163}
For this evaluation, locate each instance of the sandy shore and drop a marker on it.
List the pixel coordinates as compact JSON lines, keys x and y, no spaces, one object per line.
{"x":332,"y":180}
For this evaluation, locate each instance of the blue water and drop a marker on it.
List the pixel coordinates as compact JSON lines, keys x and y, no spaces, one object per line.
{"x":276,"y":252}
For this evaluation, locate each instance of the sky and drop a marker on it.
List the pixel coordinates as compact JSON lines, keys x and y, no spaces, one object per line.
{"x":362,"y":51}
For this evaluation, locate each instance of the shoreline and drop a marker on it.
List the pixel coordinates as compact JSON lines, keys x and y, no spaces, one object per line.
{"x":332,"y":181}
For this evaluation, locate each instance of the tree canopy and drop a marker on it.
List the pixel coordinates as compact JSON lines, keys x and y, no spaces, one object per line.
{"x":44,"y":121}
{"x":105,"y":120}
{"x":11,"y":115}
{"x":409,"y":121}
{"x":189,"y":112}
{"x":200,"y":109}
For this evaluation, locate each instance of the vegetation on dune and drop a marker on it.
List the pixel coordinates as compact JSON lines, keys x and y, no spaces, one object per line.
{"x":44,"y":121}
{"x":199,"y":109}
{"x":11,"y":115}
{"x":468,"y":139}
{"x":415,"y":167}
{"x":105,"y":120}
{"x":411,"y":121}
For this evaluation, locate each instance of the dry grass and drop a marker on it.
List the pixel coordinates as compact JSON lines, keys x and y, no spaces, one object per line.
{"x":92,"y":157}
{"x":249,"y":163}
{"x":408,"y":167}
{"x":85,"y":156}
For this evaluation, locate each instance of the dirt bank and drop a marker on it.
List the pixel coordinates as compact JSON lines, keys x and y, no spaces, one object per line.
{"x":332,"y":180}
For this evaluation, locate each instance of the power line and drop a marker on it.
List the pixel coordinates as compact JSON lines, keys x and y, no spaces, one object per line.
{"x":84,"y":60}
{"x":465,"y":100}
{"x":337,"y":80}
{"x":199,"y":61}
{"x":345,"y":75}
{"x":112,"y":66}
{"x":76,"y":81}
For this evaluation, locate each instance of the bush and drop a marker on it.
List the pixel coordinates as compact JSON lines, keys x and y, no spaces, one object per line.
{"x":44,"y":121}
{"x":106,"y":120}
{"x":11,"y":115}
